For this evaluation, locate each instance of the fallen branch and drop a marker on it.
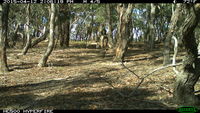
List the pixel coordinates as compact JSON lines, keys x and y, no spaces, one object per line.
{"x":113,"y":87}
{"x":134,"y":90}
{"x":130,"y":70}
{"x":160,"y":68}
{"x":146,"y":75}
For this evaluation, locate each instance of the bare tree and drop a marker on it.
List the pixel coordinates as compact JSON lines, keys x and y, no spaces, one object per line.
{"x":44,"y":59}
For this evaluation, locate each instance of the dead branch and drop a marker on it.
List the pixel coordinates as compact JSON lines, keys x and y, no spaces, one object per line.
{"x":134,"y":90}
{"x":113,"y":87}
{"x":161,"y":68}
{"x":130,"y":70}
{"x":146,"y":75}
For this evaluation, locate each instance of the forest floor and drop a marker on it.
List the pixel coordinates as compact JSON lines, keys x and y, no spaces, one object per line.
{"x":80,"y":78}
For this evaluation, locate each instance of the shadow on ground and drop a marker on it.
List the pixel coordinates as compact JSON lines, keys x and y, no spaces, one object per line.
{"x":65,"y":97}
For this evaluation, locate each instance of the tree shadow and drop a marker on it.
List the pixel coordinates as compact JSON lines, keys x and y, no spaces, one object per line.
{"x":25,"y":96}
{"x":106,"y":99}
{"x":156,"y":62}
{"x":16,"y":101}
{"x":64,"y":63}
{"x":19,"y":66}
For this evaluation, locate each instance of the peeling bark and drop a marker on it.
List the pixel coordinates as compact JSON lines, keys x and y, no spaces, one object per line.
{"x":125,"y":11}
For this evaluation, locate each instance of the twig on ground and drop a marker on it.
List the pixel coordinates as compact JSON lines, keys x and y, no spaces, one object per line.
{"x":130,"y":70}
{"x":146,"y":75}
{"x":113,"y":87}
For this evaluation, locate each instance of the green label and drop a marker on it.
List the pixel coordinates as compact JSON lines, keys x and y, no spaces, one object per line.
{"x":187,"y":109}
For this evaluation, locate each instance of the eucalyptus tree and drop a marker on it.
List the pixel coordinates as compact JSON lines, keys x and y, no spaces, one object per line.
{"x":109,"y":22}
{"x":187,"y":78}
{"x":152,"y":26}
{"x":125,"y":11}
{"x":173,"y":28}
{"x":40,"y":11}
{"x":50,"y":47}
{"x":16,"y":24}
{"x":4,"y":11}
{"x":28,"y":38}
{"x":64,"y":24}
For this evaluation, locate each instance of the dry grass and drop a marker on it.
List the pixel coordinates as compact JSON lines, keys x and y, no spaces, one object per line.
{"x":79,"y":78}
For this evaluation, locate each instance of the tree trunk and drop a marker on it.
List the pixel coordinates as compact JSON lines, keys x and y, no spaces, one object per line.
{"x":109,"y":21}
{"x":28,"y":38}
{"x":67,"y":32}
{"x":14,"y":36}
{"x":152,"y":26}
{"x":40,"y":39}
{"x":185,"y":81}
{"x":61,"y":34}
{"x":4,"y":10}
{"x":44,"y":59}
{"x":147,"y":30}
{"x":125,"y":11}
{"x":172,"y":27}
{"x":65,"y":26}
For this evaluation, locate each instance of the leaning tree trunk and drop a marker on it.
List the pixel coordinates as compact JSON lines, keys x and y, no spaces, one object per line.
{"x":28,"y":43}
{"x":125,"y":11}
{"x":44,"y":59}
{"x":4,"y":10}
{"x":40,"y":39}
{"x":170,"y":33}
{"x":185,"y":81}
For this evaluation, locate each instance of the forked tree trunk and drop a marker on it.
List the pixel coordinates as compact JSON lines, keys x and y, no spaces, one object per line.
{"x":172,"y":29}
{"x":185,"y":81}
{"x":125,"y":11}
{"x":28,"y":38}
{"x":44,"y":58}
{"x":4,"y":10}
